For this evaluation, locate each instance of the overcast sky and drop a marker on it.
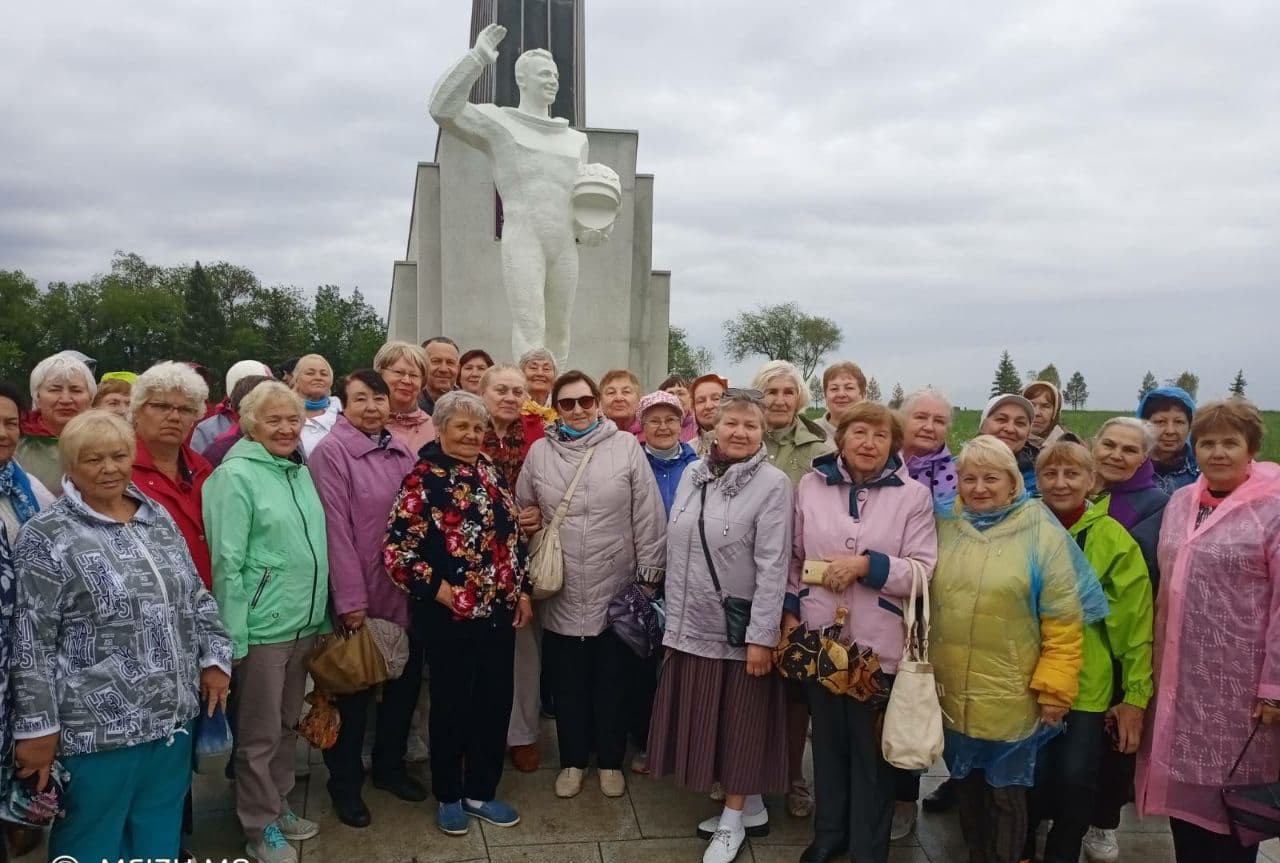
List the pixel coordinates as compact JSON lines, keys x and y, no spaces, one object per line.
{"x":1095,"y":184}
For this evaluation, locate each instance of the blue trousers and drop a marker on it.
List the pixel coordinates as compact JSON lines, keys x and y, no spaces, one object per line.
{"x":125,"y":803}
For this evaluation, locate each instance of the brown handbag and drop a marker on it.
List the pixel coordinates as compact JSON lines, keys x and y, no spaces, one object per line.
{"x":343,"y":664}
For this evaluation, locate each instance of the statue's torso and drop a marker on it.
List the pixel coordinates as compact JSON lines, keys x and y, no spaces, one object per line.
{"x":535,"y":163}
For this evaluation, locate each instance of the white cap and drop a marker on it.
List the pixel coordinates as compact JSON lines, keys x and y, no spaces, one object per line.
{"x":243,"y":369}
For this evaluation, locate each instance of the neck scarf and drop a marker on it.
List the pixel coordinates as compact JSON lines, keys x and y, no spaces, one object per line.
{"x":664,"y":454}
{"x":567,"y":433}
{"x":34,"y":425}
{"x":506,"y":452}
{"x":718,"y":462}
{"x":1120,"y":508}
{"x":410,"y":419}
{"x":992,"y":517}
{"x":317,"y":404}
{"x":15,"y":485}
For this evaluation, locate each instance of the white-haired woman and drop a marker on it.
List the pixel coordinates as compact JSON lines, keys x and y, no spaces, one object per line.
{"x":926,"y":422}
{"x":313,"y":380}
{"x":539,"y":368}
{"x":117,"y":646}
{"x":793,"y":442}
{"x":271,"y":577}
{"x":62,"y":387}
{"x":403,"y":366}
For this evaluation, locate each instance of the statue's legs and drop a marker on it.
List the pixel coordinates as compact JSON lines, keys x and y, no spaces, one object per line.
{"x":524,"y":273}
{"x":562,"y":286}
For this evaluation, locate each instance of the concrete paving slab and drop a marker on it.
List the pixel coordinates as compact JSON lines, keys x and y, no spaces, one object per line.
{"x":581,"y":852}
{"x":664,"y":850}
{"x":546,"y":819}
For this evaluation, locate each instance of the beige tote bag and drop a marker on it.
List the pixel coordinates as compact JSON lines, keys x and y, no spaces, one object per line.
{"x":912,"y":737}
{"x":546,"y":556}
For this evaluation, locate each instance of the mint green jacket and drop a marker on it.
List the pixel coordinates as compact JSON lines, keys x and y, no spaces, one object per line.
{"x":266,"y":533}
{"x":1125,"y":634}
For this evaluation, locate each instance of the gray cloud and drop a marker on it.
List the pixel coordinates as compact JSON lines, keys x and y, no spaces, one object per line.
{"x":1092,"y":184}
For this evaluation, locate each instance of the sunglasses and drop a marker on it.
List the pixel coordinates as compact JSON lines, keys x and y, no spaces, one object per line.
{"x":585,"y":402}
{"x":736,"y":394}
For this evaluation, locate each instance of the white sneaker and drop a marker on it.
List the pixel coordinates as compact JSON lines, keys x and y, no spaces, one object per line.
{"x":1100,"y":846}
{"x":271,"y":847}
{"x":569,"y":782}
{"x":295,"y":827}
{"x":754,"y":826}
{"x":904,"y":820}
{"x":724,"y":846}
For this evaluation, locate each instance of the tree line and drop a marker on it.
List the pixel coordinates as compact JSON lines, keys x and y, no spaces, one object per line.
{"x":138,"y":314}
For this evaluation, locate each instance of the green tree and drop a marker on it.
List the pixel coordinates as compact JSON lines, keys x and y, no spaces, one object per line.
{"x":1006,"y":379}
{"x":1238,"y":385}
{"x":18,"y":337}
{"x":1049,"y":374}
{"x":782,"y":332}
{"x":1149,"y":383}
{"x":685,"y":359}
{"x":873,"y":390}
{"x":1077,"y":392}
{"x":897,"y":397}
{"x":1187,"y":381}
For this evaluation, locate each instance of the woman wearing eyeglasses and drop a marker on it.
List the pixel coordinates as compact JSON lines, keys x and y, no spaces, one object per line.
{"x":614,"y":533}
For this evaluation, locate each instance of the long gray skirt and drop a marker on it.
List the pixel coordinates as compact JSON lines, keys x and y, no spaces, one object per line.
{"x":712,"y":722}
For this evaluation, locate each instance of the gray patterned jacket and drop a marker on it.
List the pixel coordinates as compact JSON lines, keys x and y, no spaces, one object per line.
{"x":112,"y":627}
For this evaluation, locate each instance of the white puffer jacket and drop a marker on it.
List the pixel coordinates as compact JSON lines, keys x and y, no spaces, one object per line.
{"x":614,"y":532}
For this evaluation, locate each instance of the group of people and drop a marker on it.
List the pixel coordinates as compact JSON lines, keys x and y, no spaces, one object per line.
{"x":174,"y":559}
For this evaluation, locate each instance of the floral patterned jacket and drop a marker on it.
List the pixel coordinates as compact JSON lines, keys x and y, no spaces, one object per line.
{"x":456,"y":522}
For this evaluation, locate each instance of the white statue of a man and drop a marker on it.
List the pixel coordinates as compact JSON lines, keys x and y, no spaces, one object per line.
{"x":537,"y":163}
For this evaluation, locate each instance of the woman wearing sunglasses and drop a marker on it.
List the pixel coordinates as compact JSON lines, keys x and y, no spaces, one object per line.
{"x":614,"y":533}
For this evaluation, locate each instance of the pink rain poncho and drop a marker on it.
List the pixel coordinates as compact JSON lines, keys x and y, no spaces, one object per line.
{"x":1217,"y":651}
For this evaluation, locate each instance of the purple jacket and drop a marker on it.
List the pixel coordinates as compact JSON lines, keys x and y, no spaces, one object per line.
{"x":893,"y":523}
{"x":358,"y":480}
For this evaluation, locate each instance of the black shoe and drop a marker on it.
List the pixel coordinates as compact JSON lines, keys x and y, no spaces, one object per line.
{"x":351,"y":810}
{"x":943,"y":798}
{"x":403,"y":786}
{"x":819,"y":854}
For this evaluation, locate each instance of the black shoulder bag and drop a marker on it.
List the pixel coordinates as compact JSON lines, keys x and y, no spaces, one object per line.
{"x":737,"y":611}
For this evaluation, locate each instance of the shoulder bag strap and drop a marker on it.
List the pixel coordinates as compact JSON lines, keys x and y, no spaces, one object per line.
{"x":563,"y":509}
{"x":1247,"y":743}
{"x":706,"y":551}
{"x":910,"y":653}
{"x":922,"y":627}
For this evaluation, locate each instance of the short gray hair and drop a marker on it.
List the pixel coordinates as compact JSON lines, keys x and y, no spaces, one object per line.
{"x":58,"y":368}
{"x":734,"y":400}
{"x":926,"y":393}
{"x":537,"y":354}
{"x":263,"y":395}
{"x":167,"y":377}
{"x":1146,"y":429}
{"x":458,"y":402}
{"x":92,"y":426}
{"x":781,"y":368}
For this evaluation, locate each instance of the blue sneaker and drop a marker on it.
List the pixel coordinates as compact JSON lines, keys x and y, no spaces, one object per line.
{"x":496,"y":812}
{"x":451,"y":819}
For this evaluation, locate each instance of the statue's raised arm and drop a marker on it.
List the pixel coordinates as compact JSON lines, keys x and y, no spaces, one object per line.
{"x":449,"y":106}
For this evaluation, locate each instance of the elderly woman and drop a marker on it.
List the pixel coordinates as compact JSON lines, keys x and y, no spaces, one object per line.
{"x":613,"y":535}
{"x":843,"y":386}
{"x":926,"y":421}
{"x":858,"y":516}
{"x":117,"y":646}
{"x":539,"y":368}
{"x":720,"y":709}
{"x":705,"y":393}
{"x":313,"y":379}
{"x":793,"y":441}
{"x":357,"y":470}
{"x":620,"y":397}
{"x":1169,"y":410}
{"x":1009,"y":418}
{"x":1068,"y":773}
{"x":113,"y":393}
{"x":21,"y":495}
{"x":404,"y":367}
{"x":1221,"y":562}
{"x":678,"y":386}
{"x":224,"y":415}
{"x":215,"y":452}
{"x":507,"y":440}
{"x":62,"y":387}
{"x":471,"y":368}
{"x":266,"y":528}
{"x":1046,"y":402}
{"x":1010,"y":598}
{"x":454,"y":545}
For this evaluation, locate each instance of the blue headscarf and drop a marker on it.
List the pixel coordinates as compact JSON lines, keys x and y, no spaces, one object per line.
{"x":15,"y":485}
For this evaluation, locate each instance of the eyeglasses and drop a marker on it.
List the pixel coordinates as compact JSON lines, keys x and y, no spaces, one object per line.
{"x":585,"y":402}
{"x":164,"y":409}
{"x":662,"y":422}
{"x":396,"y":374}
{"x":736,"y":394}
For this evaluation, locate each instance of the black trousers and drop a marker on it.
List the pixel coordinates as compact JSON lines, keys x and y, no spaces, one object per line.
{"x":992,"y":820}
{"x":642,"y":686}
{"x":472,"y":678}
{"x":1192,"y":844}
{"x":394,"y":716}
{"x":1066,"y":787}
{"x":589,"y":686}
{"x":906,"y":785}
{"x":853,"y":784}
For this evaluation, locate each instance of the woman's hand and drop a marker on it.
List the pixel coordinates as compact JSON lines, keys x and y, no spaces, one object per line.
{"x":1128,"y":721}
{"x":524,"y":612}
{"x":34,"y":757}
{"x":444,"y":595}
{"x":789,"y":622}
{"x":215,"y":684}
{"x":844,"y":571}
{"x":759,"y":660}
{"x":1051,"y":714}
{"x":353,"y":620}
{"x":1267,"y":710}
{"x":530,"y":520}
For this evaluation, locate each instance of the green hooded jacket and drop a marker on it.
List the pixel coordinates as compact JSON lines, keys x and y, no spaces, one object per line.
{"x":1124,"y":636}
{"x":792,"y":449}
{"x":266,"y":531}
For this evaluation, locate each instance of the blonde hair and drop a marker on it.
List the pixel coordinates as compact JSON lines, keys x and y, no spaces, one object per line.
{"x":988,"y":451}
{"x":780,"y":368}
{"x":393,"y":352}
{"x":112,"y":387}
{"x":1065,"y":452}
{"x":494,"y":370}
{"x":96,"y":426}
{"x":1234,"y":414}
{"x":264,"y":394}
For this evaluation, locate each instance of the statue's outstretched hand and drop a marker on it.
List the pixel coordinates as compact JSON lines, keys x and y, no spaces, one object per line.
{"x":487,"y":42}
